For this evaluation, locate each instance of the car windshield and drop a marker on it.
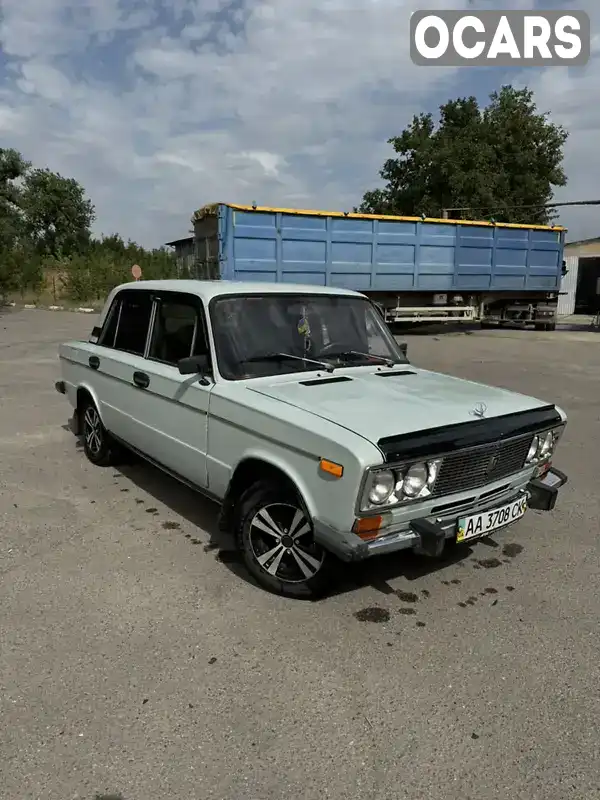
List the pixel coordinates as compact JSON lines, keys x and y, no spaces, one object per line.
{"x":271,"y":334}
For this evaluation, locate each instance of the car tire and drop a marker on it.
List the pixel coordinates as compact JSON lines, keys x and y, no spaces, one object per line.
{"x":284,"y":560}
{"x":98,"y":444}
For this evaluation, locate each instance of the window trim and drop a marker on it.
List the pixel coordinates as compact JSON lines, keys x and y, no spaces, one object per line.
{"x":183,"y":298}
{"x":115,"y":308}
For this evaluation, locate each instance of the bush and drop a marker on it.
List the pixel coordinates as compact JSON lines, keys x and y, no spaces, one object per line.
{"x":86,"y":277}
{"x":21,"y":270}
{"x":91,"y":276}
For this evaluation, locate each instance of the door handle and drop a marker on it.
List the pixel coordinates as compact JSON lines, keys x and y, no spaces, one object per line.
{"x":94,"y":362}
{"x":141,"y":379}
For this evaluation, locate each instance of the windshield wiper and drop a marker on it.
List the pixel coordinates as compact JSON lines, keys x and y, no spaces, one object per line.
{"x":286,"y":357}
{"x":345,"y":353}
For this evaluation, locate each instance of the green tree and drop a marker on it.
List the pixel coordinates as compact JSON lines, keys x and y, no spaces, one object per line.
{"x":501,"y":162}
{"x":45,"y":238}
{"x":57,"y":216}
{"x":12,"y":168}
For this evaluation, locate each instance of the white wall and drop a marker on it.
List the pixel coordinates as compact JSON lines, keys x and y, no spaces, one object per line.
{"x":566,"y":302}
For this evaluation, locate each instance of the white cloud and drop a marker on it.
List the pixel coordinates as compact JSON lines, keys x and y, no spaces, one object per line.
{"x":158,"y":109}
{"x":43,"y":80}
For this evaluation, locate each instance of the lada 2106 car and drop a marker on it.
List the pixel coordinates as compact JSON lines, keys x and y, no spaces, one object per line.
{"x":296,"y":409}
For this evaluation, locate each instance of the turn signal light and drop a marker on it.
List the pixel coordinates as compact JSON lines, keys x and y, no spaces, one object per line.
{"x":367,"y":527}
{"x":331,"y":468}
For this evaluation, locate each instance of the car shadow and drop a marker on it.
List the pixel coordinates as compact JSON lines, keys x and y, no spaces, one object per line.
{"x":194,"y":507}
{"x":203,"y":514}
{"x":379,"y":572}
{"x":413,"y":329}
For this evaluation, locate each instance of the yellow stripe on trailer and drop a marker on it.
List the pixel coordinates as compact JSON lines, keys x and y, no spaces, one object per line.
{"x":212,"y":209}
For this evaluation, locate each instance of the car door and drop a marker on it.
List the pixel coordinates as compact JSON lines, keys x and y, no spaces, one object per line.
{"x":115,"y":360}
{"x":171,"y":408}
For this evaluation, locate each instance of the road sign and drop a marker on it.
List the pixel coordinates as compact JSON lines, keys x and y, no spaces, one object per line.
{"x":136,"y":271}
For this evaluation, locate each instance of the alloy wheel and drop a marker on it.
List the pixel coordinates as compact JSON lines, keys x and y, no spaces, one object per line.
{"x":92,"y":430}
{"x":281,"y":538}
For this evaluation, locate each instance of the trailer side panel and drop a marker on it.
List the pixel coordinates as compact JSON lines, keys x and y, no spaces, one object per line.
{"x":374,"y":255}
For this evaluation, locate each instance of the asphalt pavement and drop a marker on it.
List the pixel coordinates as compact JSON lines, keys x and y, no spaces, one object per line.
{"x":138,"y":660}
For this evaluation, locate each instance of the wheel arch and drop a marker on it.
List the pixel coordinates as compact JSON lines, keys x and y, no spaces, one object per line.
{"x":83,"y":392}
{"x":253,"y":467}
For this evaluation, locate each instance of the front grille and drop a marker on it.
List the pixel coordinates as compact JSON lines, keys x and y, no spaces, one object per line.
{"x":476,"y":467}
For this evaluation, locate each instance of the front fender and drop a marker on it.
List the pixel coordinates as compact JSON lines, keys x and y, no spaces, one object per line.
{"x":292,"y":473}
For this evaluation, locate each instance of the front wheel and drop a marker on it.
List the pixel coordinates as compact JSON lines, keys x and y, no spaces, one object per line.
{"x":275,"y":536}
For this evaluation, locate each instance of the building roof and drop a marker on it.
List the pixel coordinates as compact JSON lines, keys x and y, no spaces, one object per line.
{"x":212,"y":208}
{"x":175,"y":242}
{"x":583,"y":241}
{"x":209,"y":289}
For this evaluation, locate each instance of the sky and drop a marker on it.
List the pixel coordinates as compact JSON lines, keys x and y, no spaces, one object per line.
{"x":158,"y":107}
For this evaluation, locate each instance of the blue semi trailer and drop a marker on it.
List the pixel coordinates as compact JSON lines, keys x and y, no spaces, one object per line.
{"x":415,"y":269}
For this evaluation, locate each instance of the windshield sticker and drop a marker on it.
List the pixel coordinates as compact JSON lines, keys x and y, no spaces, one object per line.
{"x":303,"y":329}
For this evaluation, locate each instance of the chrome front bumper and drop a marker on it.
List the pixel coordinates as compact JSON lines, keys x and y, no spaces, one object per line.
{"x":428,"y":534}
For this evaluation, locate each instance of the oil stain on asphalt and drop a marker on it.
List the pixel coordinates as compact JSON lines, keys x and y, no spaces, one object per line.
{"x":512,"y":550}
{"x":373,"y":614}
{"x":407,"y":597}
{"x":489,"y":563}
{"x":490,"y":591}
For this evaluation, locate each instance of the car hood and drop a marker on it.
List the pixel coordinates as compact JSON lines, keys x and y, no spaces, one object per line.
{"x":376,"y":407}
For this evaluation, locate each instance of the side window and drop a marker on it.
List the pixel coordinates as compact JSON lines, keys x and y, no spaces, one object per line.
{"x":178,"y":332}
{"x":134,"y":322}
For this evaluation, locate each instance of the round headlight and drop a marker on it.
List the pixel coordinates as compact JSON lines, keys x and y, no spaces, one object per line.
{"x":547,"y":444}
{"x":533,"y":450}
{"x":381,"y":488}
{"x":415,"y":480}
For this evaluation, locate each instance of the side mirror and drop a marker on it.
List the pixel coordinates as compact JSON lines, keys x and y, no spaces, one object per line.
{"x":193,"y":365}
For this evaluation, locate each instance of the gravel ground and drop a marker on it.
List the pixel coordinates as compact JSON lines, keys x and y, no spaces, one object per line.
{"x":139,"y":661}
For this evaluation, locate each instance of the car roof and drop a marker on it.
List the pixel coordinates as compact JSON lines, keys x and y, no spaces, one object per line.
{"x":209,"y":289}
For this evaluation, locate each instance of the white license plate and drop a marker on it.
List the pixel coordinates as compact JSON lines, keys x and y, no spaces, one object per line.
{"x":482,"y":524}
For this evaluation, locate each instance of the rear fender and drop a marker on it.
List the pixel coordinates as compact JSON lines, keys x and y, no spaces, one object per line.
{"x":81,"y":390}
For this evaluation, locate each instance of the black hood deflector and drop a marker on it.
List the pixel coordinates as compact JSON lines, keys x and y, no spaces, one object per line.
{"x":449,"y":438}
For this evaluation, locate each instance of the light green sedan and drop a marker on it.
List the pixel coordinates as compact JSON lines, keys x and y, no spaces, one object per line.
{"x":295,"y":408}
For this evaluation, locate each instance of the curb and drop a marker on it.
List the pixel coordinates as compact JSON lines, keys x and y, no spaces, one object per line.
{"x":33,"y":306}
